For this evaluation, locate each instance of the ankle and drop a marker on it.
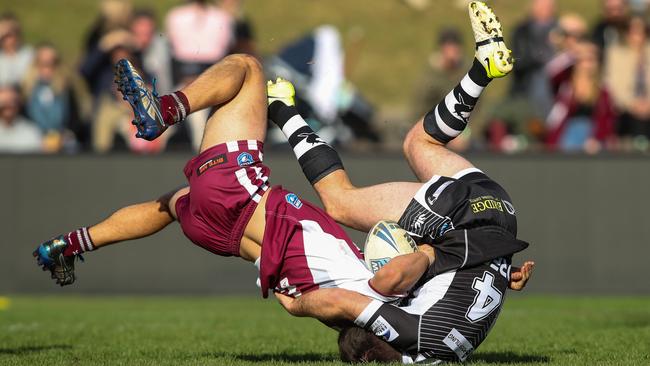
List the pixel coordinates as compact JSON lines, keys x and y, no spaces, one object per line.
{"x":79,"y":241}
{"x":174,"y":107}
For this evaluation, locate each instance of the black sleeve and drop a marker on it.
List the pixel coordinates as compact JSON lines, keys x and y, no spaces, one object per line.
{"x":396,"y":327}
{"x":468,"y":248}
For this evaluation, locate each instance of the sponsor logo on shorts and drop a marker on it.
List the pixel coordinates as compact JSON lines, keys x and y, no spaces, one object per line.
{"x":293,"y":200}
{"x":486,"y":203}
{"x":376,"y":264}
{"x":217,"y":160}
{"x":383,"y":329}
{"x":459,"y":344}
{"x":509,"y":207}
{"x":245,"y":159}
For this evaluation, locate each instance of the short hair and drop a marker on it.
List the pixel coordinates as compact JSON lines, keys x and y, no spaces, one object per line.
{"x":357,"y":345}
{"x":144,"y":13}
{"x":450,"y":35}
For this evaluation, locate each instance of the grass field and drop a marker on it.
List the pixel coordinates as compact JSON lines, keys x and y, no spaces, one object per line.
{"x":247,"y":331}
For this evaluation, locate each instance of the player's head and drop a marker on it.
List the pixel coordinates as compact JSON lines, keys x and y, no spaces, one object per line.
{"x":357,"y":345}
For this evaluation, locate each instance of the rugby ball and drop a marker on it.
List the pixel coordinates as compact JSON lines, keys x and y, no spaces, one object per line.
{"x":385,"y":241}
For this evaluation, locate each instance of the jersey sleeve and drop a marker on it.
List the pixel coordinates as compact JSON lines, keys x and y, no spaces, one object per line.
{"x":459,"y":249}
{"x":392,"y":324}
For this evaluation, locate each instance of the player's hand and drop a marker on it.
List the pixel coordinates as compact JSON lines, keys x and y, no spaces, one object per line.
{"x":520,"y":276}
{"x":290,"y":304}
{"x":429,"y":251}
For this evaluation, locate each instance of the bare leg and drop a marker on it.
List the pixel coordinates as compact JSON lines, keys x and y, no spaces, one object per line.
{"x":362,"y":208}
{"x":428,"y":157}
{"x":136,"y":221}
{"x":236,"y":87}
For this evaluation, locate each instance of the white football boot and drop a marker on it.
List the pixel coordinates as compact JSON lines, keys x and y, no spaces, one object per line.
{"x":491,"y":49}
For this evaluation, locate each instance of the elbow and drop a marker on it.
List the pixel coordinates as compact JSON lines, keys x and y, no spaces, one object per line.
{"x":414,"y":138}
{"x":388,"y":282}
{"x":334,"y":205}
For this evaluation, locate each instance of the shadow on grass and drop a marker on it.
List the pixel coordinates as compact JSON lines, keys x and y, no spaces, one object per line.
{"x":19,"y":351}
{"x":277,"y":357}
{"x":509,"y":357}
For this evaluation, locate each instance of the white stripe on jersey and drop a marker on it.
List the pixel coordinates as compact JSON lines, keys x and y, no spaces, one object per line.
{"x":467,"y":171}
{"x":252,"y":144}
{"x":242,"y":177}
{"x":232,"y":146}
{"x":333,"y":264}
{"x":430,"y":293}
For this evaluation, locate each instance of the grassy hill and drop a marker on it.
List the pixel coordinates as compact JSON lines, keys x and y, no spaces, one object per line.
{"x":396,"y":43}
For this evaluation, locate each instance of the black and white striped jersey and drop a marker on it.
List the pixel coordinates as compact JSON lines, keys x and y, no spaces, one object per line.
{"x":446,"y":318}
{"x":467,"y":200}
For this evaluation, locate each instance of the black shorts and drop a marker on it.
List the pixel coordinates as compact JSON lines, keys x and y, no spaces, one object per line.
{"x":467,"y":200}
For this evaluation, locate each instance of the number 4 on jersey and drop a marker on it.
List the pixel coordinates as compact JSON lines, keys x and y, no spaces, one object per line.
{"x":488,"y":298}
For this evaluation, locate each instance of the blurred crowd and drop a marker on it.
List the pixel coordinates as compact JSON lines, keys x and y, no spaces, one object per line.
{"x":575,"y":87}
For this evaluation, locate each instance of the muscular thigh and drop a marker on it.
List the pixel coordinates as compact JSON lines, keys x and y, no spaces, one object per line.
{"x":242,"y":118}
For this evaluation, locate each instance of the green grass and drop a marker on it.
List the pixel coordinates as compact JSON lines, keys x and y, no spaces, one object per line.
{"x":248,"y":331}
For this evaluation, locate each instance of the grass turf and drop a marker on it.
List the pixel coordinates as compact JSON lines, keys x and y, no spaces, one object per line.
{"x":248,"y":331}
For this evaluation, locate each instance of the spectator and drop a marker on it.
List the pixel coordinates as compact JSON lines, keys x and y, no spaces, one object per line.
{"x":97,"y":68}
{"x":531,"y":43}
{"x":628,"y":76}
{"x":98,"y":64}
{"x":444,"y":68}
{"x":244,"y":41}
{"x":51,"y":101}
{"x":315,"y":63}
{"x":200,"y":34}
{"x":15,"y":57}
{"x":114,"y":14}
{"x":17,"y":134}
{"x":583,"y":116}
{"x":568,"y":37}
{"x":152,"y":48}
{"x":611,"y":26}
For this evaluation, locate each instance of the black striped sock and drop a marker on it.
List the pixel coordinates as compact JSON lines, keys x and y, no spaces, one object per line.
{"x":450,"y":117}
{"x":317,"y":159}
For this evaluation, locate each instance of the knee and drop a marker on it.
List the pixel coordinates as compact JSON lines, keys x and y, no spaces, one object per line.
{"x":251,"y":63}
{"x":412,"y":138}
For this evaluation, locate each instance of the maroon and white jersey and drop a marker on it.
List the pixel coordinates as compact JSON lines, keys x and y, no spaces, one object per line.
{"x":304,"y":249}
{"x":227,"y":182}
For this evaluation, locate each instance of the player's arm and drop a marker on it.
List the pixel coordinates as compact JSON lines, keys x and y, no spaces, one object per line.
{"x":132,"y":222}
{"x":398,"y":276}
{"x":332,"y":306}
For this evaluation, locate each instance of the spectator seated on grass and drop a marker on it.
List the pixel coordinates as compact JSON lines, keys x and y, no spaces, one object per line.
{"x":15,"y":57}
{"x":17,"y":133}
{"x":628,"y":76}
